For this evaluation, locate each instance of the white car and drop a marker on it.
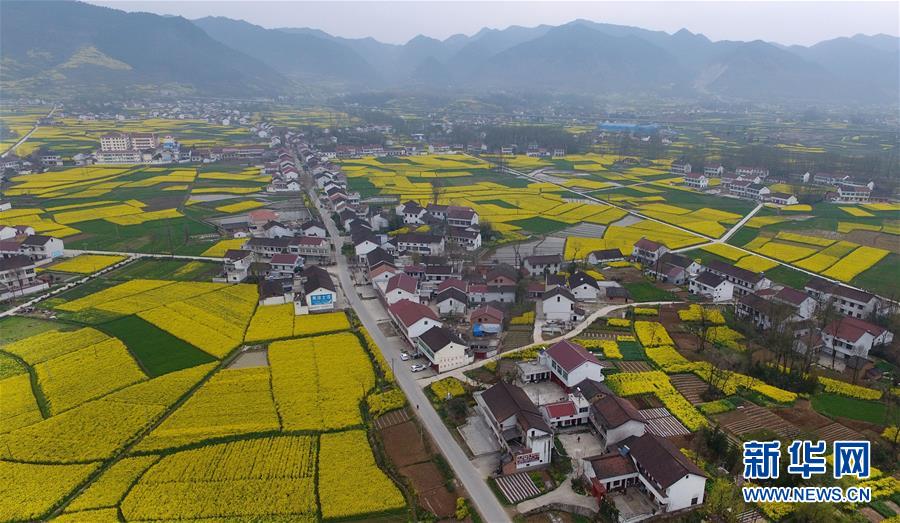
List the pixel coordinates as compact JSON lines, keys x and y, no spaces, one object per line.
{"x":416,"y":367}
{"x":404,"y":356}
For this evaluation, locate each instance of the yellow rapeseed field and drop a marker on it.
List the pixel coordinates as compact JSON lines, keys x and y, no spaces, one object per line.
{"x":86,"y":263}
{"x":109,"y":490}
{"x":240,"y":206}
{"x":344,"y":458}
{"x":71,"y":379}
{"x":232,"y":402}
{"x":30,"y":490}
{"x":855,"y":263}
{"x":221,"y":246}
{"x":20,"y":408}
{"x":256,"y":479}
{"x":318,"y":382}
{"x":96,"y":429}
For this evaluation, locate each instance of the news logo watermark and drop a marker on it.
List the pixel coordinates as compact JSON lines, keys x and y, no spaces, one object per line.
{"x":762,"y":461}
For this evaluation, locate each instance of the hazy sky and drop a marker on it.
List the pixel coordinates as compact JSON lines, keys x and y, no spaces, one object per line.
{"x":802,"y":22}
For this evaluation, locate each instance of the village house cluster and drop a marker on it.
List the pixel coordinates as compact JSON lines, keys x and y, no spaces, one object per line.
{"x":22,"y":251}
{"x":564,"y":388}
{"x":281,"y":256}
{"x":754,"y":183}
{"x":849,"y":337}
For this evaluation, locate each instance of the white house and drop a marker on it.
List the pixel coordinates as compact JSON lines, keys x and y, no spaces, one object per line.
{"x":583,"y":286}
{"x":712,"y":286}
{"x":381,"y":274}
{"x":275,"y":229}
{"x":570,"y":364}
{"x":318,"y":289}
{"x":570,"y":412}
{"x":615,"y":419}
{"x":401,"y":287}
{"x":647,"y":252}
{"x":680,"y":168}
{"x":363,"y":246}
{"x":744,"y":281}
{"x":285,"y":265}
{"x":314,"y":228}
{"x":847,"y":301}
{"x":7,"y":232}
{"x":444,"y":349}
{"x":853,"y":337}
{"x":412,"y":319}
{"x":237,"y":264}
{"x":39,"y":247}
{"x":558,"y":304}
{"x":670,"y":480}
{"x":696,"y":180}
{"x":18,"y":277}
{"x":604,"y":256}
{"x":781,"y":198}
{"x":451,"y":302}
{"x":412,"y":213}
{"x":518,"y":426}
{"x":538,"y":265}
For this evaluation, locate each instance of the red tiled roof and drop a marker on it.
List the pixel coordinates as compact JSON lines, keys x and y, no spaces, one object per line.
{"x":403,"y":282}
{"x":852,"y":329}
{"x":487,"y":310}
{"x":308,"y":240}
{"x":647,"y":245}
{"x":452,"y":282}
{"x":284,"y":259}
{"x":792,"y":296}
{"x":611,"y":465}
{"x":561,"y":409}
{"x":386,"y":267}
{"x":570,"y":355}
{"x":615,"y":411}
{"x":409,"y":312}
{"x":260,"y":215}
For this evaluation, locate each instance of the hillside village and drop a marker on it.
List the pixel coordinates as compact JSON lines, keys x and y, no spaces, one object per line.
{"x":609,"y":380}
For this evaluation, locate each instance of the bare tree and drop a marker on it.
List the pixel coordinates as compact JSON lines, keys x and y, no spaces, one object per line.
{"x":720,"y":371}
{"x":700,"y":327}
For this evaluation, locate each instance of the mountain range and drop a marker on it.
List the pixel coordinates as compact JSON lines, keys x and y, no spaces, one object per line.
{"x":79,"y":43}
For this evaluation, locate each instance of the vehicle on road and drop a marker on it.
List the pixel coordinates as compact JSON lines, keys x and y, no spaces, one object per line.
{"x":416,"y":367}
{"x":404,"y":356}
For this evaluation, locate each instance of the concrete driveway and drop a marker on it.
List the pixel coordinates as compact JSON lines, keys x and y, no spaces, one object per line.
{"x":581,"y":444}
{"x":478,"y":436}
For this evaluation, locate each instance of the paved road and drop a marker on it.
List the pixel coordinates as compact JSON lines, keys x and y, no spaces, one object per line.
{"x":482,"y":496}
{"x":76,"y":252}
{"x":27,"y":136}
{"x":578,"y":329}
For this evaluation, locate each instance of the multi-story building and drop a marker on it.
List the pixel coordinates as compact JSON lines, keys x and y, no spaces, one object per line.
{"x":18,"y":277}
{"x":696,"y":180}
{"x":115,"y":142}
{"x":744,"y":281}
{"x":680,"y":168}
{"x":751,"y":172}
{"x":852,"y":194}
{"x":712,"y":286}
{"x":847,"y":301}
{"x":849,"y":337}
{"x":648,"y":252}
{"x":652,"y":465}
{"x":518,"y":426}
{"x":538,"y":265}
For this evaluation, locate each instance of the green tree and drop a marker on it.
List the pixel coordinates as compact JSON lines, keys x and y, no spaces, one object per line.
{"x":723,"y":502}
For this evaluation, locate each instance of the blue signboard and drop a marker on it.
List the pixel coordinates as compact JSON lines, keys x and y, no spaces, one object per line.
{"x":320,"y":299}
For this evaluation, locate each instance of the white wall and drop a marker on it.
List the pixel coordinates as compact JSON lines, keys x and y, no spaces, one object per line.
{"x":684,"y":490}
